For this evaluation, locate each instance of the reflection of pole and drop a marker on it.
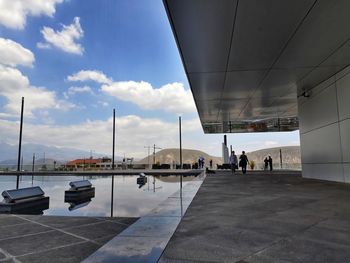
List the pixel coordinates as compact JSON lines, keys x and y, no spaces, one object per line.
{"x":33,"y":165}
{"x":112,"y":190}
{"x":20,"y":144}
{"x":154,"y":154}
{"x":154,"y":184}
{"x":181,"y":202}
{"x":281,"y":158}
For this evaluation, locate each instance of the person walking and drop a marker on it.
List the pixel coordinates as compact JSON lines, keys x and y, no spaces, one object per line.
{"x":270,"y":162}
{"x":233,"y":162}
{"x":266,"y":161}
{"x":243,"y":162}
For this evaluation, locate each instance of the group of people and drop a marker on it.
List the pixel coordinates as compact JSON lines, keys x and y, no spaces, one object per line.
{"x":243,"y":162}
{"x":200,"y":162}
{"x":235,"y":164}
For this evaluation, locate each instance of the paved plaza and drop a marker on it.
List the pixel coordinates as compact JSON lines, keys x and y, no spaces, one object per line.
{"x":264,"y":218}
{"x":32,"y":238}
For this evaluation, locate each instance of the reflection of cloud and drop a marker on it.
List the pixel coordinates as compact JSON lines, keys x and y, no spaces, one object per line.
{"x":129,"y":200}
{"x":123,"y":250}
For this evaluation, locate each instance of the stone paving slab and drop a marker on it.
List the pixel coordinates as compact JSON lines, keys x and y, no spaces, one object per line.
{"x":31,"y":238}
{"x":263,"y":218}
{"x":145,"y":240}
{"x":37,"y":242}
{"x":69,"y":254}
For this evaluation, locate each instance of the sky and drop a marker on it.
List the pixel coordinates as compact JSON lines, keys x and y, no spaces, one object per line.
{"x":74,"y":61}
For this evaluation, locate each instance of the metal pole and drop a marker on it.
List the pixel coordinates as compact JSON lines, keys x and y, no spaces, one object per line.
{"x":154,"y":154}
{"x":148,"y":156}
{"x":112,"y":190}
{"x":180,"y":150}
{"x":33,"y":165}
{"x":20,"y":144}
{"x":180,"y":141}
{"x":281,"y":158}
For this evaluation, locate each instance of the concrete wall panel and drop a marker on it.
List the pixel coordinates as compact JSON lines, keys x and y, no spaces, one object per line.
{"x":346,"y":167}
{"x":319,"y":110}
{"x":345,"y":139}
{"x":343,"y":92}
{"x":330,"y":172}
{"x":321,"y":145}
{"x":325,"y":129}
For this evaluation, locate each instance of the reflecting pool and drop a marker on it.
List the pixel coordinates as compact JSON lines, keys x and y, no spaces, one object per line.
{"x":130,"y":199}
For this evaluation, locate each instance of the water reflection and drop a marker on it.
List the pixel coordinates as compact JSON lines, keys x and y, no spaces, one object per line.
{"x":79,"y":195}
{"x":141,"y":180}
{"x":128,"y":200}
{"x":73,"y":205}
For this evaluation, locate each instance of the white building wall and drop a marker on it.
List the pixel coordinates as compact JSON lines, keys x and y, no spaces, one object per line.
{"x":325,"y":129}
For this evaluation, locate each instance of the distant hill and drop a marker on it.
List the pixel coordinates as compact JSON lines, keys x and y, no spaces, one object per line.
{"x":8,"y":153}
{"x":188,"y":156}
{"x":290,"y":155}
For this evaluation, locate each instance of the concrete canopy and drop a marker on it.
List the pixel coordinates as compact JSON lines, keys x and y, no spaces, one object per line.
{"x":247,"y":61}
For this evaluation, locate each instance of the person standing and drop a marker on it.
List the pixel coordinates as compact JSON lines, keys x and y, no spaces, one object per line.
{"x":270,"y":162}
{"x":266,"y":162}
{"x":233,"y":162}
{"x":202,"y":161}
{"x":243,"y":162}
{"x":211,"y":164}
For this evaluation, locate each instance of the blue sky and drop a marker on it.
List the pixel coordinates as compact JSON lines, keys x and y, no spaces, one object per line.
{"x":83,"y":58}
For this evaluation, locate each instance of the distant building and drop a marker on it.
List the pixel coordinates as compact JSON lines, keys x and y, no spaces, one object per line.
{"x":104,"y":163}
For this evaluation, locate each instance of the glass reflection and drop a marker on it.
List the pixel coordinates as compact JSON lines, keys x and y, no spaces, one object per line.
{"x":74,"y":205}
{"x":129,"y":200}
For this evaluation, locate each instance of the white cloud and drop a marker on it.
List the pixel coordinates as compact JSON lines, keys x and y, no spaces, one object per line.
{"x":74,"y":90}
{"x":171,"y":97}
{"x":90,"y":75}
{"x":13,"y":13}
{"x":43,"y":45}
{"x":103,"y":103}
{"x":64,"y":39}
{"x":14,"y":85}
{"x":13,"y":54}
{"x":132,"y":133}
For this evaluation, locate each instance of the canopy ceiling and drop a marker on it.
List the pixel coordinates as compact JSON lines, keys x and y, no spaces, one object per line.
{"x":248,"y":60}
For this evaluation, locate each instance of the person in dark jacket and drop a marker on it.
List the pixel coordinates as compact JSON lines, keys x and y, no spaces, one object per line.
{"x":270,"y":162}
{"x":266,"y":161}
{"x":243,"y":162}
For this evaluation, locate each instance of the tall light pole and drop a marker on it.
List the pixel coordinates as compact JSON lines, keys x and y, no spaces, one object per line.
{"x":281,"y":158}
{"x":154,"y":153}
{"x":149,"y":153}
{"x":113,"y":150}
{"x":33,"y":168}
{"x":180,"y":140}
{"x":20,"y":144}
